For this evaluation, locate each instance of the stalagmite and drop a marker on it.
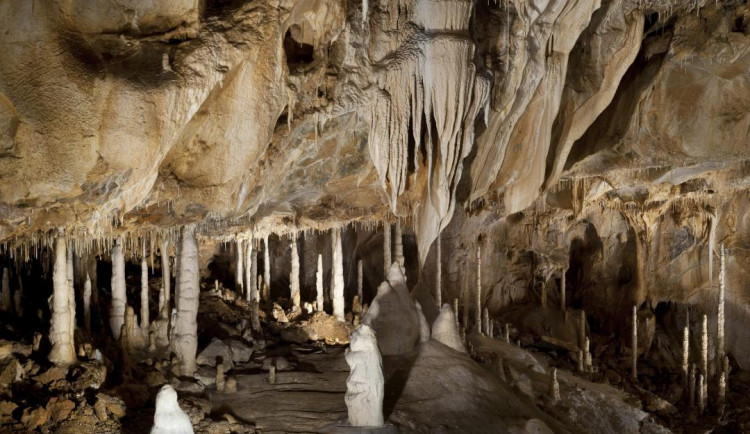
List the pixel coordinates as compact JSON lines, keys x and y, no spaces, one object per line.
{"x":5,"y":292}
{"x":386,"y":248}
{"x":438,"y":273}
{"x":588,"y":364}
{"x":338,"y":275}
{"x":239,"y":275}
{"x":165,"y":277}
{"x":398,"y":245}
{"x":720,"y":314}
{"x":69,"y":268}
{"x":701,"y":393}
{"x":319,"y":285}
{"x":185,"y":341}
{"x":582,"y":328}
{"x":272,"y":374}
{"x":721,"y":393}
{"x":455,"y":311}
{"x":478,"y":311}
{"x":634,"y":344}
{"x":691,"y":385}
{"x":294,"y":276}
{"x":704,"y":345}
{"x":63,"y":310}
{"x":365,"y":384}
{"x":685,"y":353}
{"x":252,"y":280}
{"x":554,"y":387}
{"x":266,"y":268}
{"x":145,"y":320}
{"x":485,"y":322}
{"x":424,"y":328}
{"x":506,"y":336}
{"x":169,"y":418}
{"x":119,"y":300}
{"x":445,"y":329}
{"x":360,"y":278}
{"x":87,"y":303}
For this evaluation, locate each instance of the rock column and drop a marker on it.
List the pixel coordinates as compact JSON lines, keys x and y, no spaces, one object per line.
{"x":266,"y":268}
{"x":319,"y":285}
{"x":119,"y":300}
{"x":239,"y":272}
{"x":145,"y":320}
{"x":478,"y":324}
{"x":338,"y":275}
{"x":398,"y":247}
{"x":185,"y":341}
{"x":294,"y":276}
{"x":386,"y":249}
{"x":165,"y":276}
{"x":438,"y":273}
{"x":63,"y":310}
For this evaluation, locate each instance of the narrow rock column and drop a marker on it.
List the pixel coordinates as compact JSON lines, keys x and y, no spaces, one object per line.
{"x":239,"y":274}
{"x":386,"y":248}
{"x":720,"y":314}
{"x":5,"y":293}
{"x":87,"y":303}
{"x":701,"y":393}
{"x":360,"y":278}
{"x":63,"y":309}
{"x":722,"y":393}
{"x":266,"y":268}
{"x":544,"y":294}
{"x":69,"y":268}
{"x":478,"y":318}
{"x":119,"y":297}
{"x":338,"y":275}
{"x":562,"y":291}
{"x":398,"y":247}
{"x":165,"y":276}
{"x":704,"y":345}
{"x":691,"y":385}
{"x":438,"y":273}
{"x":319,"y":285}
{"x":251,"y":271}
{"x":145,"y":320}
{"x":185,"y":342}
{"x":685,"y":353}
{"x":634,"y":368}
{"x":294,"y":275}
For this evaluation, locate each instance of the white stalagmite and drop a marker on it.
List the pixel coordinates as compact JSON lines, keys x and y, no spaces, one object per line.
{"x":70,"y":270}
{"x":588,"y":363}
{"x":685,"y":353}
{"x":360,"y":278}
{"x":253,"y":273}
{"x":87,"y":303}
{"x":478,"y":311}
{"x":338,"y":275}
{"x":63,"y":310}
{"x":445,"y":329}
{"x":5,"y":293}
{"x":634,"y":345}
{"x":704,"y":345}
{"x":185,"y":341}
{"x":720,"y":314}
{"x":169,"y":418}
{"x":165,"y":276}
{"x":145,"y":320}
{"x":485,"y":322}
{"x":239,"y":274}
{"x":438,"y":273}
{"x":119,"y":297}
{"x":294,"y":276}
{"x":386,"y":248}
{"x":319,"y":284}
{"x":398,"y":245}
{"x":554,"y":388}
{"x":266,"y":267}
{"x":365,"y":384}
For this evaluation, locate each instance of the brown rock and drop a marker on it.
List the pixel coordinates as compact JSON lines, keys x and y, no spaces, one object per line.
{"x":10,"y":371}
{"x":59,"y":408}
{"x":112,"y":405}
{"x":6,"y":411}
{"x":33,"y":418}
{"x":54,"y":373}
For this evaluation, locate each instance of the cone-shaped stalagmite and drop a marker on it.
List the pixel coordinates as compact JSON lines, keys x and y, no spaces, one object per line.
{"x":338,"y":275}
{"x":63,"y":310}
{"x":185,"y":341}
{"x":117,"y":305}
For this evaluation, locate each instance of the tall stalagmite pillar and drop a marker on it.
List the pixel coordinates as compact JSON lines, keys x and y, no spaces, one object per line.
{"x":294,"y":275}
{"x":685,"y":353}
{"x":119,"y":297}
{"x":360,"y":279}
{"x":478,"y":324}
{"x":63,"y":310}
{"x":319,"y":284}
{"x":266,"y":267}
{"x":185,"y":341}
{"x":438,"y":273}
{"x":634,"y":368}
{"x":398,"y":246}
{"x":87,"y":303}
{"x":386,"y":249}
{"x":338,"y":275}
{"x":720,"y":315}
{"x":251,"y":271}
{"x":145,"y":320}
{"x":704,"y":345}
{"x":165,"y":276}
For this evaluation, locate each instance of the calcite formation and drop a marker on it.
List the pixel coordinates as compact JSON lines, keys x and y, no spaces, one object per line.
{"x":365,"y":384}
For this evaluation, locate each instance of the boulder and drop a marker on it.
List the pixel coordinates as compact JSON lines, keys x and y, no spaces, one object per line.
{"x":215,"y":349}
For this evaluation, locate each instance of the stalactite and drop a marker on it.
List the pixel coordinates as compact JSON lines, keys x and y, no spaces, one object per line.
{"x":251,"y":270}
{"x":145,"y":320}
{"x":294,"y":276}
{"x":165,"y":276}
{"x":185,"y":341}
{"x":119,"y":300}
{"x":63,"y":310}
{"x":634,"y":345}
{"x":87,"y":303}
{"x":704,"y":345}
{"x":338,"y":275}
{"x":478,"y":324}
{"x":239,"y":274}
{"x":319,"y":285}
{"x":266,"y":269}
{"x":398,"y":245}
{"x":386,"y":248}
{"x":720,"y":314}
{"x":685,"y":353}
{"x":438,"y":273}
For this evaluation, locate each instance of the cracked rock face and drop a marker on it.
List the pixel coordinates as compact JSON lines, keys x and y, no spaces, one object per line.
{"x":614,"y":123}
